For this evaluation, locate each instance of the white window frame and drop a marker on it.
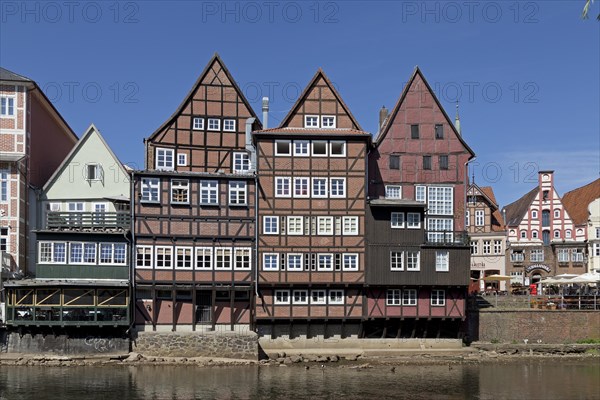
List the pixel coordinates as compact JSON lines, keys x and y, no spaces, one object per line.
{"x":335,"y":188}
{"x":348,"y":264}
{"x":237,"y":189}
{"x":343,"y":153}
{"x":497,"y":246}
{"x":289,"y":256}
{"x":442,"y":261}
{"x":392,"y":190}
{"x":397,"y":220}
{"x":4,"y":108}
{"x":99,"y":211}
{"x":438,"y":297}
{"x":534,"y":214}
{"x":98,"y":172}
{"x":184,"y":186}
{"x":300,"y":296}
{"x":325,"y":226}
{"x":421,"y":193}
{"x":210,"y":188}
{"x":246,"y":261}
{"x":70,"y":250}
{"x":302,"y":148}
{"x":467,"y":218}
{"x":229,"y":121}
{"x":331,"y":122}
{"x":204,"y":252}
{"x":335,"y":297}
{"x":181,"y":159}
{"x":312,"y":146}
{"x":271,"y":256}
{"x":322,"y":185}
{"x":281,"y":296}
{"x":440,"y":200}
{"x":409,"y":297}
{"x":396,"y":257}
{"x":563,"y":255}
{"x":536,"y":255}
{"x":112,"y":260}
{"x":318,"y":297}
{"x":148,"y":188}
{"x":577,"y":255}
{"x":557,"y":213}
{"x":289,"y":147}
{"x":474,"y":244}
{"x":4,"y":185}
{"x":211,"y":124}
{"x":145,"y":255}
{"x":323,"y":266}
{"x":295,"y":222}
{"x":241,"y":162}
{"x":487,"y":247}
{"x":185,"y":249}
{"x":198,"y":123}
{"x":162,"y":162}
{"x":303,"y":182}
{"x":223,"y":251}
{"x":534,"y":234}
{"x":479,"y":218}
{"x":281,"y":182}
{"x":311,"y":118}
{"x":393,"y":297}
{"x":273,"y":222}
{"x":435,"y":234}
{"x":94,"y":246}
{"x":350,"y":226}
{"x":410,"y":220}
{"x":168,"y":249}
{"x":409,"y":259}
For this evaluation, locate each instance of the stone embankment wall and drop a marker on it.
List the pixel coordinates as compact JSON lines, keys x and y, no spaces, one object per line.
{"x":194,"y":344}
{"x":535,"y":326}
{"x":61,"y":344}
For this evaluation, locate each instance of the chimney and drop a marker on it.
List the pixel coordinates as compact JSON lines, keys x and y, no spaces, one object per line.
{"x":265,"y":111}
{"x":383,"y":114}
{"x":457,"y":120}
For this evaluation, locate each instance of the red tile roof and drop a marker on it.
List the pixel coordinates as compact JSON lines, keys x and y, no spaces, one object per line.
{"x":578,"y":200}
{"x":498,"y":222}
{"x":310,"y":131}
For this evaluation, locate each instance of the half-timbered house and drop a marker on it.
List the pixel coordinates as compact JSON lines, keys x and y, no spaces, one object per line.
{"x":311,"y":217}
{"x":194,"y":208}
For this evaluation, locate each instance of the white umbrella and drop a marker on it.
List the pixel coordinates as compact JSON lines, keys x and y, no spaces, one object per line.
{"x":585,"y":278}
{"x":565,"y":276}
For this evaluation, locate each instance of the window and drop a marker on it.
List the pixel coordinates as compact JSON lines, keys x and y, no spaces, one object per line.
{"x":394,"y":161}
{"x":181,"y":159}
{"x":301,"y":147}
{"x":319,"y":187}
{"x":414,"y":131}
{"x":183,"y":257}
{"x":294,"y":262}
{"x":325,"y":262}
{"x":45,"y":254}
{"x":59,"y":253}
{"x":577,"y":255}
{"x":420,"y":194}
{"x":409,"y":297}
{"x":165,"y":159}
{"x":556,"y":213}
{"x":112,"y":253}
{"x":209,"y":192}
{"x":397,"y":220}
{"x":517,"y":256}
{"x":393,"y":297}
{"x":270,"y":225}
{"x":439,"y":229}
{"x":143,"y":256}
{"x":497,"y":246}
{"x":557,"y":234}
{"x":413,"y":259}
{"x":487,"y":247}
{"x":328,"y":121}
{"x":319,"y":148}
{"x":393,"y":192}
{"x":295,"y":225}
{"x":413,"y":220}
{"x":164,"y":257}
{"x":444,"y":162}
{"x":301,"y":187}
{"x":76,"y":253}
{"x":282,"y":187}
{"x":545,"y":218}
{"x":474,"y":247}
{"x":300,"y":296}
{"x":99,"y":212}
{"x":229,"y":125}
{"x":396,"y":260}
{"x":545,"y":194}
{"x":337,"y":149}
{"x":568,"y":234}
{"x":523,"y":234}
{"x":439,"y":131}
{"x":350,"y":225}
{"x":7,"y":106}
{"x":237,"y":193}
{"x":241,"y":162}
{"x":338,"y":187}
{"x":311,"y":121}
{"x":4,"y":186}
{"x":203,"y":257}
{"x":336,"y":296}
{"x":282,"y":147}
{"x":442,"y":261}
{"x":534,"y":234}
{"x":546,"y":237}
{"x":596,"y":250}
{"x":441,"y":200}
{"x":180,"y":190}
{"x":94,"y":172}
{"x":223,"y":258}
{"x":426,"y":162}
{"x":318,"y":297}
{"x":89,"y":253}
{"x":241,"y":260}
{"x":324,"y":225}
{"x":74,"y":209}
{"x":270,"y":261}
{"x":282,"y":297}
{"x":198,"y":124}
{"x":150,"y":190}
{"x":467,"y":218}
{"x":563,"y":255}
{"x":438,"y":297}
{"x":534,"y":214}
{"x":350,"y":262}
{"x":214,"y":124}
{"x":597,"y":233}
{"x":537,"y":255}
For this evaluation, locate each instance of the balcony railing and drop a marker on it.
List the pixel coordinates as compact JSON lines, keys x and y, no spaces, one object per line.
{"x":88,"y":220}
{"x":447,"y":238}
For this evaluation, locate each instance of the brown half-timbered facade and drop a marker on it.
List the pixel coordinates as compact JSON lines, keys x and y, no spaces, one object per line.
{"x":311,"y":213}
{"x":194,"y":208}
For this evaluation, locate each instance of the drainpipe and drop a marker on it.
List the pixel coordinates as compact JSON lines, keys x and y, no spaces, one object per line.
{"x":253,"y":167}
{"x":265,"y":111}
{"x":132,"y":250}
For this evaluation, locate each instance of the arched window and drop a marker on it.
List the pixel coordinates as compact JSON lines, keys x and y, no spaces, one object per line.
{"x":556,"y":213}
{"x":568,"y":234}
{"x":534,"y":234}
{"x":557,"y":234}
{"x":534,"y":214}
{"x":523,"y":234}
{"x":546,"y":236}
{"x":546,"y":218}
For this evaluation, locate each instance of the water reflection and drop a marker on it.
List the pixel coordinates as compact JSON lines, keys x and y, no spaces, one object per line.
{"x":525,"y":380}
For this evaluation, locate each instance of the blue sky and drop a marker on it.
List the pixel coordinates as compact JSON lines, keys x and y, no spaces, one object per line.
{"x":526,"y":73}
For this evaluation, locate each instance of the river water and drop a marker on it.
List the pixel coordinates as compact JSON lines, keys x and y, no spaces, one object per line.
{"x":547,"y":379}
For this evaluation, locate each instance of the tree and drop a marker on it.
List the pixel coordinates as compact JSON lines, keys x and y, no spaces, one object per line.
{"x":586,"y":10}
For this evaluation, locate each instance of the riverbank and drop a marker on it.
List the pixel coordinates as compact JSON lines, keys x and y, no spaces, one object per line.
{"x":476,"y":353}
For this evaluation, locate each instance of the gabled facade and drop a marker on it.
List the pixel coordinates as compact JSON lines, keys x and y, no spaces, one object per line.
{"x":543,"y":239}
{"x":418,"y":257}
{"x":83,"y":245}
{"x":29,"y":126}
{"x":311,"y":217}
{"x":583,"y":205}
{"x":194,"y":209}
{"x":485,"y":226}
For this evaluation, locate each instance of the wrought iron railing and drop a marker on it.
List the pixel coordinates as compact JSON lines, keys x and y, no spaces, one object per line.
{"x":447,"y":238}
{"x":76,"y":220}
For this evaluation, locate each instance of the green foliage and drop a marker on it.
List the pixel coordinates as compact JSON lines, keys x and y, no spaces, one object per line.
{"x":495,"y":341}
{"x":588,"y":341}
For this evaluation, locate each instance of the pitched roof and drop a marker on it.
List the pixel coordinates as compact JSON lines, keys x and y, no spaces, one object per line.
{"x":388,"y":122}
{"x":319,"y":74}
{"x":6,"y":75}
{"x":489,"y":192}
{"x":578,"y":200}
{"x":215,"y":59}
{"x":308,"y":131}
{"x":515,"y":211}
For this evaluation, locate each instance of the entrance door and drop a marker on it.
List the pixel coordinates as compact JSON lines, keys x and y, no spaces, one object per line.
{"x":203,"y":307}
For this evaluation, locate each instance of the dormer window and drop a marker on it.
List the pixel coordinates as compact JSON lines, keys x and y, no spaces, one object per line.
{"x":328,"y":121}
{"x":93,"y":172}
{"x":311,"y":121}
